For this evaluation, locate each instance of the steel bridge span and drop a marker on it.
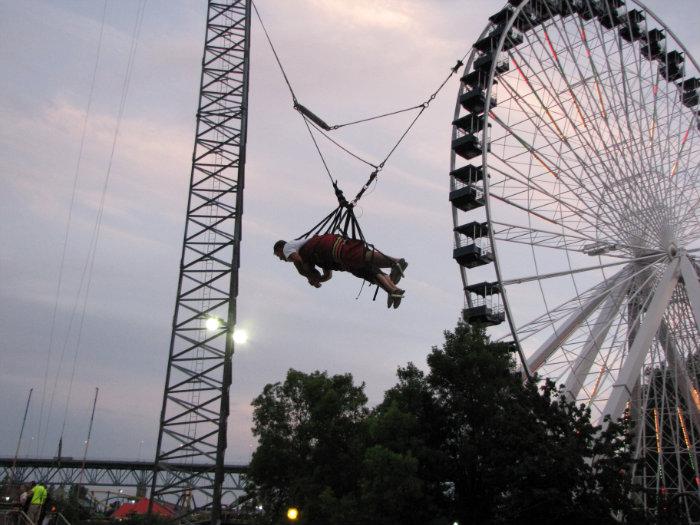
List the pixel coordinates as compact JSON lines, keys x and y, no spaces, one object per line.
{"x":106,"y":473}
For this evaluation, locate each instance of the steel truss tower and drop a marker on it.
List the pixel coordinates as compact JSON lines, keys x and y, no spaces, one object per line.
{"x":196,"y":397}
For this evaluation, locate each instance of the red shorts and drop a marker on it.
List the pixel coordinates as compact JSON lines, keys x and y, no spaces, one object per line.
{"x":335,"y":252}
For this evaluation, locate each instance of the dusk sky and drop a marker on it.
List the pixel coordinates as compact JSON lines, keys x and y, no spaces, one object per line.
{"x":346,"y":60}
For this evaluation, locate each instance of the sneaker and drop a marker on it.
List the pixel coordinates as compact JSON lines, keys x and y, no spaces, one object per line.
{"x":397,"y":270}
{"x":396,"y":298}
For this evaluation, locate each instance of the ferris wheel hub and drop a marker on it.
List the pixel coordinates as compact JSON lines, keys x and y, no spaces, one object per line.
{"x":672,"y":249}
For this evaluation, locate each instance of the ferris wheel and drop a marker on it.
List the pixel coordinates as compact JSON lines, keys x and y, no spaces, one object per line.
{"x":575,"y":191}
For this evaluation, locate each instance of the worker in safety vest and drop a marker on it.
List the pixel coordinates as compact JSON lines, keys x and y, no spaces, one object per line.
{"x":38,"y":496}
{"x":334,"y":252}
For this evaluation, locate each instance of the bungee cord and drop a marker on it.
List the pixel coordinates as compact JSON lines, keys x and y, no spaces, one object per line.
{"x":313,"y":121}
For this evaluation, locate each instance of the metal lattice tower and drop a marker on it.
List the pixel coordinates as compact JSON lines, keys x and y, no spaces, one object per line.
{"x":196,"y":397}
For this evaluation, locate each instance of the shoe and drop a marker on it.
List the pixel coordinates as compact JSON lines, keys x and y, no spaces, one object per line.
{"x":389,"y":300}
{"x":396,"y":298}
{"x":397,"y":270}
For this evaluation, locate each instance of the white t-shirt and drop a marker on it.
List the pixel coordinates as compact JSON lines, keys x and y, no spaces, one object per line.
{"x":292,"y":246}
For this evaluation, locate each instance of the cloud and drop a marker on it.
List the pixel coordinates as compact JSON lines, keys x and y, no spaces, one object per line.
{"x":367,"y":14}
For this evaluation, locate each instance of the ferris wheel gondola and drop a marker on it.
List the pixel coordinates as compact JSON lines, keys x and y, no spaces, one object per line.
{"x":574,"y":190}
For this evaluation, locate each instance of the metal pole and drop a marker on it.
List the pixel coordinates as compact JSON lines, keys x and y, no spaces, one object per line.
{"x":233,"y":289}
{"x":19,"y":440}
{"x":87,"y":441}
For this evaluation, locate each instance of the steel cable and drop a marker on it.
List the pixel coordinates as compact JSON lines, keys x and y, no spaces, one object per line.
{"x":64,"y":248}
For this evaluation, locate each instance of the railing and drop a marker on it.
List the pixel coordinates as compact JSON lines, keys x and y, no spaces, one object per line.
{"x":483,"y":243}
{"x":478,"y":185}
{"x":60,"y":518}
{"x":19,"y":517}
{"x":14,"y":517}
{"x":492,"y":302}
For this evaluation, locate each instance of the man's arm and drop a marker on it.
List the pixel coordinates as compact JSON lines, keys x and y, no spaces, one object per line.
{"x":307,"y":270}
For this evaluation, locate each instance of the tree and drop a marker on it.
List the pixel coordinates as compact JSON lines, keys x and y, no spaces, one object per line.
{"x":311,"y":431}
{"x":509,"y":450}
{"x":469,"y":441}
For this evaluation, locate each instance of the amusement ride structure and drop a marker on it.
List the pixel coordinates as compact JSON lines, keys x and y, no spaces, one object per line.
{"x":574,"y":185}
{"x":196,"y":396}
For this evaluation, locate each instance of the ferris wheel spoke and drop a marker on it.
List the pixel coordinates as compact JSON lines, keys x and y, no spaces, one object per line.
{"x":533,"y":213}
{"x":649,"y":259}
{"x":633,"y":150}
{"x":562,"y":333}
{"x":623,"y":97}
{"x":551,"y":167}
{"x":624,"y":154}
{"x":554,"y":315}
{"x":652,"y":159}
{"x":597,"y":334}
{"x":641,"y":76}
{"x":612,"y":355}
{"x":588,"y":245}
{"x":554,"y":93}
{"x":687,"y":197}
{"x":639,"y":348}
{"x":551,"y":316}
{"x":628,"y":90}
{"x":528,"y":185}
{"x":558,"y":171}
{"x":668,"y":194}
{"x":587,"y":136}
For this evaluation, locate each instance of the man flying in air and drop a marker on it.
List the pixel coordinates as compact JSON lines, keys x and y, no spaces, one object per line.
{"x":334,"y":252}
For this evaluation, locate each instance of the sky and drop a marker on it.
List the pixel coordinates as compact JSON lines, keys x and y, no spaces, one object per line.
{"x":346,"y":60}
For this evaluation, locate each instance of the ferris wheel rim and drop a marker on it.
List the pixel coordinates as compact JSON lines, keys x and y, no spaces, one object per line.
{"x":509,"y":311}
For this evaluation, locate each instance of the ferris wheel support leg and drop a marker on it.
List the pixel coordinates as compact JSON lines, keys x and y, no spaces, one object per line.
{"x":692,"y":287}
{"x":601,"y":327}
{"x":685,"y":385}
{"x":562,"y":333}
{"x":632,"y":365}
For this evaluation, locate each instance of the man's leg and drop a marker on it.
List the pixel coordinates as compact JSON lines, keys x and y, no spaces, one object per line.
{"x":384,"y":261}
{"x":394,"y":294}
{"x":386,"y":284}
{"x":34,"y":512}
{"x":379,"y":259}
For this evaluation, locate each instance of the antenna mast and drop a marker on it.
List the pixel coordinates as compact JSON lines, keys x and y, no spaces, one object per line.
{"x":87,"y":441}
{"x":19,"y":440}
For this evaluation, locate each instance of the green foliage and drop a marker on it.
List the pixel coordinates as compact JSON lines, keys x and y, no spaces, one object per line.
{"x":311,"y":431}
{"x":469,"y":441}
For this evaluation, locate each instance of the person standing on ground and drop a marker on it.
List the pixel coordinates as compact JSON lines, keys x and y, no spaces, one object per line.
{"x":39,"y":494}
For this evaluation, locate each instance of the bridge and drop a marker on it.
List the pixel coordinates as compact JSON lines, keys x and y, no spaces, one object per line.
{"x":107,"y":473}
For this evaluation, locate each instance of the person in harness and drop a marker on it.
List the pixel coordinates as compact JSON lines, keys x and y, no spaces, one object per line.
{"x":335,"y":252}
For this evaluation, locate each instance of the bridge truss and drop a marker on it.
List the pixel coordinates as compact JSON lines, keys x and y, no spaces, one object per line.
{"x":96,"y":473}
